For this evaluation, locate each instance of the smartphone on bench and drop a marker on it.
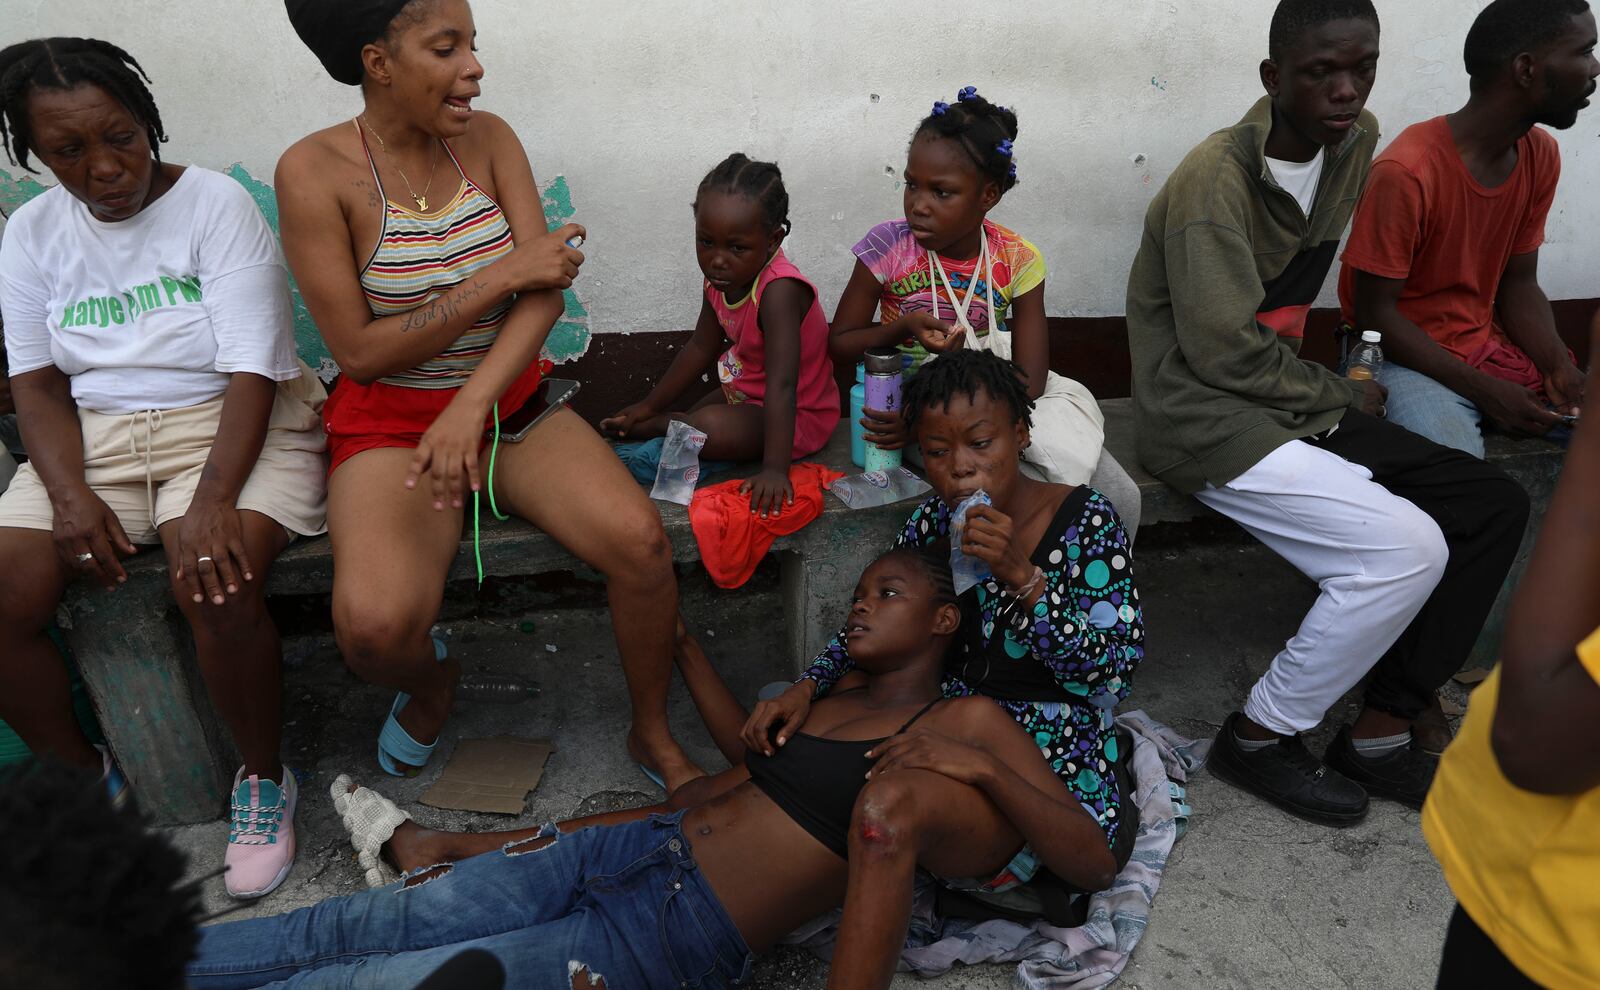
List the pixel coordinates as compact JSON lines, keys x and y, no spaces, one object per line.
{"x":552,"y":394}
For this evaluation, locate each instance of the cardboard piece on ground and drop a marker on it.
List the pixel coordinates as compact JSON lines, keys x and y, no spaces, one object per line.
{"x":494,"y":775}
{"x":1476,"y":675}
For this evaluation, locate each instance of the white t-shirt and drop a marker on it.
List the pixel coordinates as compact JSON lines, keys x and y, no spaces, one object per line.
{"x":1299,"y":179}
{"x":153,"y":312}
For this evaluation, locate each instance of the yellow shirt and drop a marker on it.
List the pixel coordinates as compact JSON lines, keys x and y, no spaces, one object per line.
{"x":1525,"y":867}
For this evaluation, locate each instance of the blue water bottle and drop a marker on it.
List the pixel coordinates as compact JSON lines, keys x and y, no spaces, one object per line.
{"x":858,"y":402}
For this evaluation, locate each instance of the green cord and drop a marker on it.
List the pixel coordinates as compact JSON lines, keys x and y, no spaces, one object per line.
{"x":477,"y":541}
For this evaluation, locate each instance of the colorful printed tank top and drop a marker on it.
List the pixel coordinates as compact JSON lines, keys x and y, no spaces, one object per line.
{"x":419,"y":258}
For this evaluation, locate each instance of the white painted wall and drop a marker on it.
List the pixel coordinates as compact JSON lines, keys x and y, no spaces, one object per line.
{"x":633,"y":100}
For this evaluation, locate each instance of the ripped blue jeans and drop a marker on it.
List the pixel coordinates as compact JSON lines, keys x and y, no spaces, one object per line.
{"x":624,"y":904}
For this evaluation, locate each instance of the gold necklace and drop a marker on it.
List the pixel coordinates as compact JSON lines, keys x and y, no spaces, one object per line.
{"x":422,"y":201}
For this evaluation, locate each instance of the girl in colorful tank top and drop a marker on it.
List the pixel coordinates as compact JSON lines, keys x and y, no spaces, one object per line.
{"x":419,"y":242}
{"x":778,"y":400}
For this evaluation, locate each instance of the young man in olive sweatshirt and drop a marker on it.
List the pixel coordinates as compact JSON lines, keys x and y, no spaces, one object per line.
{"x":1409,"y":541}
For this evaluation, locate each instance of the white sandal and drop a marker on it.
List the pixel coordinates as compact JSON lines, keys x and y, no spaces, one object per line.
{"x":371,"y":819}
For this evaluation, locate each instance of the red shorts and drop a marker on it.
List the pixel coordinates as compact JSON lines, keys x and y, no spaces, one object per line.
{"x":360,"y":417}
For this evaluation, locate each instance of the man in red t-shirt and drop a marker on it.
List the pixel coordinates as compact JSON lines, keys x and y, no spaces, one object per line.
{"x":1444,"y":249}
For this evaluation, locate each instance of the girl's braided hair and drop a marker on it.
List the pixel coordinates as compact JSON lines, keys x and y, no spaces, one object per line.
{"x":63,"y":63}
{"x":761,"y":182}
{"x":985,"y":131}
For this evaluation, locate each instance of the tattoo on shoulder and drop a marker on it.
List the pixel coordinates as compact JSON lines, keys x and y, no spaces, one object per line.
{"x":373,"y":199}
{"x":443,"y":309}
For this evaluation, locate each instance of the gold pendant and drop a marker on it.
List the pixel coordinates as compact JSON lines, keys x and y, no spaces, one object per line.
{"x":422,"y":203}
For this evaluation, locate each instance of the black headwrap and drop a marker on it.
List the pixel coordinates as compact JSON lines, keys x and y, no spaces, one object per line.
{"x":337,"y":30}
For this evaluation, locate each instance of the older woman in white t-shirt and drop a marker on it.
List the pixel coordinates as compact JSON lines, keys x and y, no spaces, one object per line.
{"x":148,"y":327}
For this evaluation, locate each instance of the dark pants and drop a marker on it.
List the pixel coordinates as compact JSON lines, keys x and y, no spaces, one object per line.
{"x":1471,"y":960}
{"x":1482,"y":513}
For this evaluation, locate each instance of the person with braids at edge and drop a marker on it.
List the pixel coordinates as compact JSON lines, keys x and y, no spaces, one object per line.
{"x":1443,"y":256}
{"x":1408,"y":541}
{"x":947,"y":277}
{"x":149,"y":334}
{"x":417,"y":236}
{"x":778,"y":400}
{"x":682,"y":894}
{"x":1053,"y":634}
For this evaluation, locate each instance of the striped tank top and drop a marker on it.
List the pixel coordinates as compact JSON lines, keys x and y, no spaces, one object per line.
{"x":419,"y":258}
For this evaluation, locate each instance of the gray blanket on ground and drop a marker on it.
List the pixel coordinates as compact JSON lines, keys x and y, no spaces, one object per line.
{"x":1048,"y":958}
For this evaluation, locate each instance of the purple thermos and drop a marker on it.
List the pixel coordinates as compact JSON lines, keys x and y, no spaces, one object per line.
{"x":883,"y":394}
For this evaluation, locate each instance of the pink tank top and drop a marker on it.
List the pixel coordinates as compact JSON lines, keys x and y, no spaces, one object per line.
{"x":742,"y":368}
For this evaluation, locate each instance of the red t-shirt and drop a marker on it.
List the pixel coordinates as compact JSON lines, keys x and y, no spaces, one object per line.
{"x":1425,"y":219}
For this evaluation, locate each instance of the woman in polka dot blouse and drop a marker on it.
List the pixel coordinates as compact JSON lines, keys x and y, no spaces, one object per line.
{"x":1054,"y":633}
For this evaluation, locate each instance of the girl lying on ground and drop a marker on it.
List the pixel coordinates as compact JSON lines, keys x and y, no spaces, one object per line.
{"x":886,"y":777}
{"x":1055,"y":631}
{"x":778,"y":399}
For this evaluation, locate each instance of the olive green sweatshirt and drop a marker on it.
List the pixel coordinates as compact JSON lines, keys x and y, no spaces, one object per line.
{"x":1227,"y":272}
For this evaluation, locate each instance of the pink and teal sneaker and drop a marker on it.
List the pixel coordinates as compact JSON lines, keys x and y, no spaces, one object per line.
{"x":261,"y":839}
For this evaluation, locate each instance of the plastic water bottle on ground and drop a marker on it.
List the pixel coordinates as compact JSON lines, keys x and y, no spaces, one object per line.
{"x":498,"y":688}
{"x":1366,"y":364}
{"x":966,"y":570}
{"x":680,"y":463}
{"x":874,"y":488}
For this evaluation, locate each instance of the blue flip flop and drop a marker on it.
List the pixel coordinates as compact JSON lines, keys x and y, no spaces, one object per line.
{"x":395,"y":745}
{"x":655,"y":778}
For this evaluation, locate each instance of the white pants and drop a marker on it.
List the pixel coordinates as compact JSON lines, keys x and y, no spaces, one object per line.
{"x":1376,"y":557}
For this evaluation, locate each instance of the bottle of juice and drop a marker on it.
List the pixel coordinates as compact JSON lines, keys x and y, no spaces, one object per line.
{"x":1366,"y":364}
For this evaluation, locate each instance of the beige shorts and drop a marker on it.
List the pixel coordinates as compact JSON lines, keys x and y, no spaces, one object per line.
{"x":146,"y":466}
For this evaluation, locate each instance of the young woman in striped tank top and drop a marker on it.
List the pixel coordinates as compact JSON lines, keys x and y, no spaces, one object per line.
{"x":418,"y":239}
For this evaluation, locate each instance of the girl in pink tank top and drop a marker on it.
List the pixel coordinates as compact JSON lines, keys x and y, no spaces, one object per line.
{"x":778,"y":400}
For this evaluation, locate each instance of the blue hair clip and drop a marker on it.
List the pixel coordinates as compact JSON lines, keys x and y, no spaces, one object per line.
{"x":1004,"y":147}
{"x":1013,"y":172}
{"x":939,"y":107}
{"x":967,"y":93}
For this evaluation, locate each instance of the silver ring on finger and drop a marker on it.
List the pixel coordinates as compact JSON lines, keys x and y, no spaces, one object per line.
{"x":84,"y":558}
{"x":204,"y":560}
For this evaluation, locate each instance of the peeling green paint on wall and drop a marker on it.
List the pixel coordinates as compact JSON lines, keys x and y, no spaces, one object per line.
{"x":15,"y":192}
{"x":569,"y":338}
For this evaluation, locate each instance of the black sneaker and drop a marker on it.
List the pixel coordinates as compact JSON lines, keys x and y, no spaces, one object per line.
{"x":1403,"y":775}
{"x":1287,"y":775}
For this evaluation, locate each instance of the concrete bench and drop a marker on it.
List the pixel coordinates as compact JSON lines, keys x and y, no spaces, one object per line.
{"x":133,"y":648}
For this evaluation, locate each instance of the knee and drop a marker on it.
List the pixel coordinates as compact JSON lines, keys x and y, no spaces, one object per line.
{"x":370,"y":636}
{"x":644,"y":552}
{"x":237,"y":619}
{"x":884,"y":822}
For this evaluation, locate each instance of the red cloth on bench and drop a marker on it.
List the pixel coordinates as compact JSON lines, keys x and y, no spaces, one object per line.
{"x":733,"y":539}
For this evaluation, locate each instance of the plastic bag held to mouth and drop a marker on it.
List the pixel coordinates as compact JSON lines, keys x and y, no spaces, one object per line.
{"x":680,"y":463}
{"x":966,"y":571}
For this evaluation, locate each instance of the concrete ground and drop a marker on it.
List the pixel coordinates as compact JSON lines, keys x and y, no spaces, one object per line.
{"x":1251,"y":897}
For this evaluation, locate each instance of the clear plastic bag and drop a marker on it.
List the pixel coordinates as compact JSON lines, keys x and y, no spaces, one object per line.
{"x":680,"y":463}
{"x":966,"y":571}
{"x":874,"y":488}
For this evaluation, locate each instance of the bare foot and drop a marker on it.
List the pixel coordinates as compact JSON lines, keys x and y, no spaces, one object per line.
{"x":666,"y":758}
{"x":424,"y":716}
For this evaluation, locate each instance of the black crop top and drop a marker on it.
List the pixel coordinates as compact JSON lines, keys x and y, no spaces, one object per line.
{"x":816,"y":781}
